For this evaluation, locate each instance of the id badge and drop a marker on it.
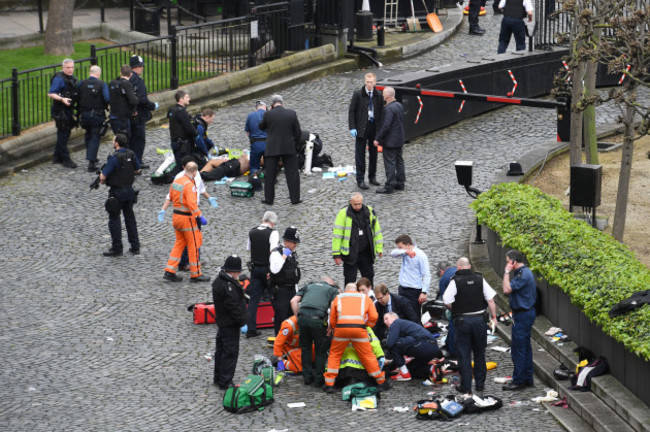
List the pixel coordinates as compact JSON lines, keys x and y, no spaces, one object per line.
{"x":360,"y":232}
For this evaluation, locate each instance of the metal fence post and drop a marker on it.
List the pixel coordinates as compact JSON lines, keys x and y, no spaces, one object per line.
{"x":101,"y":12}
{"x":174,"y":58}
{"x":169,"y":17}
{"x":93,"y":55}
{"x":40,"y":16}
{"x":252,"y":61}
{"x":131,"y":23}
{"x":15,"y":112}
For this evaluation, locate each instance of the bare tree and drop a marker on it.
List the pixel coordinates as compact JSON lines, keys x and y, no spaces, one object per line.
{"x":58,"y":34}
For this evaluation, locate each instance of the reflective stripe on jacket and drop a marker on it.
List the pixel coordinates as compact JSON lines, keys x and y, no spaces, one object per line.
{"x":353,"y":309}
{"x":343,"y":230}
{"x":182,"y":194}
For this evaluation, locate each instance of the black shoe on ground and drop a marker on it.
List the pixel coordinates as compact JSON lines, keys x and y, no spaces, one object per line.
{"x":363,"y":185}
{"x":267,"y":202}
{"x":172,"y":277}
{"x":134,"y":251}
{"x":56,"y":161}
{"x":68,"y":163}
{"x":480,"y":388}
{"x":330,"y":389}
{"x":144,"y":165}
{"x":513,"y":387}
{"x":202,"y":278}
{"x":459,"y":389}
{"x":530,"y":384}
{"x":374,"y":182}
{"x":252,"y":334}
{"x":308,"y":381}
{"x":296,"y":202}
{"x":92,"y":167}
{"x":225,"y":387}
{"x":477,"y":32}
{"x":384,"y":190}
{"x":112,"y":252}
{"x":400,"y":188}
{"x":385,"y":386}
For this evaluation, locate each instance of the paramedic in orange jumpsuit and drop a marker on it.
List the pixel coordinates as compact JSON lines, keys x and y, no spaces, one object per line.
{"x":287,"y":345}
{"x":186,"y":219}
{"x":350,"y":313}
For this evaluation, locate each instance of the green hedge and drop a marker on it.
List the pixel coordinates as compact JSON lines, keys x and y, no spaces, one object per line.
{"x":592,"y":268}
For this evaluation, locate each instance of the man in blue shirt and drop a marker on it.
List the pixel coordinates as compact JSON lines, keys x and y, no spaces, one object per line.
{"x":93,"y":100}
{"x":63,"y":91}
{"x":519,"y":284}
{"x":119,"y":174}
{"x":414,"y":276}
{"x":256,"y":136}
{"x":405,"y":338}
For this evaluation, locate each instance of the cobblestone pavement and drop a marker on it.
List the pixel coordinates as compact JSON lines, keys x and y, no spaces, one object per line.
{"x":102,"y":344}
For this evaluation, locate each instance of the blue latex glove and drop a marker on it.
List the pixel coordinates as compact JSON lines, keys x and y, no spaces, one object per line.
{"x":281,"y":366}
{"x":203,"y":220}
{"x":213,"y":202}
{"x":286,"y":251}
{"x":381,"y":361}
{"x":353,"y":133}
{"x":161,"y":215}
{"x":157,"y":105}
{"x":244,"y":329}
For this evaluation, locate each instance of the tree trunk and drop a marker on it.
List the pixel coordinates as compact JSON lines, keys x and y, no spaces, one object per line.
{"x":618,"y":227}
{"x":589,"y":115}
{"x":575,"y":147}
{"x":58,"y":35}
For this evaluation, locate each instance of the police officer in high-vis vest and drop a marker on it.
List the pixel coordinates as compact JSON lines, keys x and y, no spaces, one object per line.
{"x":93,"y":100}
{"x":285,"y":275}
{"x":119,"y":174}
{"x":261,"y":241}
{"x":63,"y":91}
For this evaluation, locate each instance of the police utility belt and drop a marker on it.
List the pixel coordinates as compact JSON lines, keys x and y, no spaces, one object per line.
{"x":469,"y":314}
{"x":179,"y":212}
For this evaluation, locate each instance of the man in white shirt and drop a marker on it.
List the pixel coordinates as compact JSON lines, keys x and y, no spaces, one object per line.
{"x":512,"y":23}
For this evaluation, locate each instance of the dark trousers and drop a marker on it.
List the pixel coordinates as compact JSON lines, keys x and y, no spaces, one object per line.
{"x":472,"y":15}
{"x":185,"y":258}
{"x":313,"y":331}
{"x":257,"y":151}
{"x":91,"y":124}
{"x":63,"y":130}
{"x":394,"y":166}
{"x":281,"y":302}
{"x":520,"y":348}
{"x":471,"y":337}
{"x":412,"y":295}
{"x":271,"y":166}
{"x":115,"y":226}
{"x":225,"y":355}
{"x":259,"y":283}
{"x":360,"y":155}
{"x":122,"y":126}
{"x":363,"y":264}
{"x":137,"y":139}
{"x":510,"y":26}
{"x":451,"y":338}
{"x":424,"y":351}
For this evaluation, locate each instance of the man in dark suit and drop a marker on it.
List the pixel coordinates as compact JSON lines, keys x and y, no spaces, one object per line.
{"x":387,"y":302}
{"x":283,"y":134}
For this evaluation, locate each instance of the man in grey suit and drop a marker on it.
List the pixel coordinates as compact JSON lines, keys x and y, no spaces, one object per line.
{"x":391,"y":137}
{"x":283,"y":135}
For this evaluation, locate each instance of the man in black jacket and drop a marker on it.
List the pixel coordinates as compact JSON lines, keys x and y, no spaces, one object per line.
{"x":93,"y":98}
{"x":284,"y":276}
{"x":390,"y":136}
{"x":143,"y":109}
{"x":123,"y":101}
{"x":365,"y":111}
{"x":283,"y":135}
{"x":181,"y":129}
{"x":231,"y":315}
{"x":387,"y":302}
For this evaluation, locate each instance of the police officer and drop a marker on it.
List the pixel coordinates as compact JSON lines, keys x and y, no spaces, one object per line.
{"x":202,"y":141}
{"x":261,"y":241}
{"x":123,"y":102}
{"x":181,"y":129}
{"x":311,"y":304}
{"x":467,"y":296}
{"x":93,"y":98}
{"x":63,"y":91}
{"x":143,"y":109}
{"x":256,"y":136}
{"x":230,"y":311}
{"x":285,"y":275}
{"x":119,"y":174}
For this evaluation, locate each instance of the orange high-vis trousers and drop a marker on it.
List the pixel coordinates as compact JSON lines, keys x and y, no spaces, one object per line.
{"x":358,"y":337}
{"x":187,"y":235}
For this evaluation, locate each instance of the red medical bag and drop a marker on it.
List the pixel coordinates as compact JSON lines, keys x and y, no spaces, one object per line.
{"x":203,"y":313}
{"x":264,"y":315}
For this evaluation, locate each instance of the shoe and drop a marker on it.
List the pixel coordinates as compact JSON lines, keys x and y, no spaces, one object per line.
{"x":399,"y":187}
{"x":202,"y":278}
{"x":363,"y":185}
{"x":135,"y":251}
{"x":480,"y":388}
{"x":144,"y":166}
{"x":477,"y":32}
{"x":92,"y":167}
{"x":225,"y":386}
{"x":511,"y":386}
{"x":384,"y":190}
{"x":56,"y":161}
{"x":330,"y":389}
{"x":68,"y":163}
{"x":374,"y":182}
{"x":296,"y":202}
{"x":267,"y":202}
{"x":308,"y":381}
{"x":385,"y":386}
{"x":529,"y":384}
{"x":252,"y":334}
{"x":172,"y":277}
{"x":459,"y":389}
{"x":184,"y":268}
{"x":112,"y":252}
{"x":402,"y":376}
